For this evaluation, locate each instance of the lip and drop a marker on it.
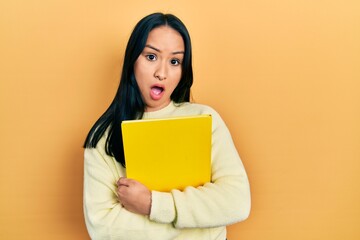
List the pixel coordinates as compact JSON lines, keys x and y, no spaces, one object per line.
{"x":157,"y":96}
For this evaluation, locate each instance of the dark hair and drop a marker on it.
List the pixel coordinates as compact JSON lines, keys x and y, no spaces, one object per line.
{"x":128,"y":102}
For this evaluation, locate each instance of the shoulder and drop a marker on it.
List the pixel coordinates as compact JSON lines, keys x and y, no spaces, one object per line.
{"x":99,"y":149}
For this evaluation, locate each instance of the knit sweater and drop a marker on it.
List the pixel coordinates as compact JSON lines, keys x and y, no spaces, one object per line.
{"x":200,"y":213}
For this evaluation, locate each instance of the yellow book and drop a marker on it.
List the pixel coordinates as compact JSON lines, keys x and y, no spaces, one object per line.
{"x":169,"y":153}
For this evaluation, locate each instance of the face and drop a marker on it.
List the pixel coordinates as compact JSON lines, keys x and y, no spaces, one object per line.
{"x":158,"y":68}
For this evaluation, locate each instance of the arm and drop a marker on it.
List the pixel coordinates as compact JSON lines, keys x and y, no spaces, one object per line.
{"x":224,"y":201}
{"x":104,"y":216}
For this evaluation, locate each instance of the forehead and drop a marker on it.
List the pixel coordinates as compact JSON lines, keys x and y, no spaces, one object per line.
{"x":166,"y":38}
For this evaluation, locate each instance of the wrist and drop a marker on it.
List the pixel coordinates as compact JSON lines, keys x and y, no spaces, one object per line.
{"x":150,"y":204}
{"x":162,"y":207}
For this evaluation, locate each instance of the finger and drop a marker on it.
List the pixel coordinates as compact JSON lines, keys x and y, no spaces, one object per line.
{"x":123,"y":181}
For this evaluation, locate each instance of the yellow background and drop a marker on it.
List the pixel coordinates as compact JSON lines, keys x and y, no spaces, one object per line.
{"x":284,"y":75}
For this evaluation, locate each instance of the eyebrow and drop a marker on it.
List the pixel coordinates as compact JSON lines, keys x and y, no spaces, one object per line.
{"x":158,"y":50}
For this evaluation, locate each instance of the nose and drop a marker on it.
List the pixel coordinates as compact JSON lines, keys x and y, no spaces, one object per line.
{"x":161,"y":71}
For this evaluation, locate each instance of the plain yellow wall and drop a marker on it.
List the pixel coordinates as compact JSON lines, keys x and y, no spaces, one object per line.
{"x":284,"y":74}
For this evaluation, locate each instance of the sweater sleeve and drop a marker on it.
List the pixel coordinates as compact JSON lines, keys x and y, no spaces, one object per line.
{"x":105,"y":218}
{"x":224,"y":201}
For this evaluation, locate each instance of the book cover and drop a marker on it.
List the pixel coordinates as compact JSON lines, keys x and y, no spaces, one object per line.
{"x":169,"y":153}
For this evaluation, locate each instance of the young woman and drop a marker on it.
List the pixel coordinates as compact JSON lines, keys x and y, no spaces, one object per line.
{"x":155,"y":83}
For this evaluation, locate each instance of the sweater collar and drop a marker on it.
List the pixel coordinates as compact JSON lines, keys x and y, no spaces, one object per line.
{"x":164,"y":112}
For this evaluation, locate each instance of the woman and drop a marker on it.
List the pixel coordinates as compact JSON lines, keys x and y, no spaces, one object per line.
{"x":155,"y":83}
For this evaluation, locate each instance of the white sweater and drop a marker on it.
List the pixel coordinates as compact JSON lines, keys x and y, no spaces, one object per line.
{"x":192,"y":214}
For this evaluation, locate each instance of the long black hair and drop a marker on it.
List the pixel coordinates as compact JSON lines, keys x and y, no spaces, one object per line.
{"x":128,"y":103}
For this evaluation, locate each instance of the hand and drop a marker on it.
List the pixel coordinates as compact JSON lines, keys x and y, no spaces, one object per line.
{"x":134,"y":196}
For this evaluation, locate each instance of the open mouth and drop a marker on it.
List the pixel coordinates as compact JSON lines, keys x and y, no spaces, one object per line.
{"x":157,"y":90}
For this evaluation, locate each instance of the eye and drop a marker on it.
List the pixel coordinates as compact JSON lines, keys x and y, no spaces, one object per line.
{"x":151,"y":57}
{"x":175,"y":62}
